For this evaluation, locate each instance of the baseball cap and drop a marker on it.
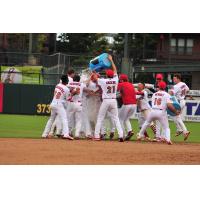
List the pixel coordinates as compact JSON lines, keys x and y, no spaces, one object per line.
{"x":109,"y":73}
{"x":159,"y":76}
{"x":162,"y":85}
{"x":123,"y":77}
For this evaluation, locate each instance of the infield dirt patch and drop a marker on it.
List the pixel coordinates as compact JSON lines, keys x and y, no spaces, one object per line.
{"x":57,"y":151}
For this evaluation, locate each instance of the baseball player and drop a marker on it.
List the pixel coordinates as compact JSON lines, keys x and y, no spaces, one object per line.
{"x":93,"y":103}
{"x":109,"y":103}
{"x":70,"y":74}
{"x":74,"y":107}
{"x":127,"y":92}
{"x":180,"y":90}
{"x":61,"y":93}
{"x":160,"y":102}
{"x":144,"y":108}
{"x":159,"y":78}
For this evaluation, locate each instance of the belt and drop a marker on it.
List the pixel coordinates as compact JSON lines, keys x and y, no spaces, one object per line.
{"x":157,"y":109}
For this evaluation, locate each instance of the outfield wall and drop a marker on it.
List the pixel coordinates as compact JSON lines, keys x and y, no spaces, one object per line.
{"x":26,"y":99}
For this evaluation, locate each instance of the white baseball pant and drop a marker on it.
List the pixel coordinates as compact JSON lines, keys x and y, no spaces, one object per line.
{"x":57,"y":109}
{"x":125,"y":114}
{"x":56,"y":124}
{"x":111,"y":106}
{"x":161,"y":116}
{"x":180,"y":126}
{"x":74,"y":110}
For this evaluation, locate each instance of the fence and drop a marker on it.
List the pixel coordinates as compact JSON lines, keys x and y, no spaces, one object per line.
{"x":27,"y":68}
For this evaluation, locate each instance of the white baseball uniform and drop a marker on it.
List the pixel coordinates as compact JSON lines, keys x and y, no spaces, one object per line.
{"x":144,"y":109}
{"x":74,"y":108}
{"x":180,"y":91}
{"x":109,"y":89}
{"x":159,"y":106}
{"x":61,"y":93}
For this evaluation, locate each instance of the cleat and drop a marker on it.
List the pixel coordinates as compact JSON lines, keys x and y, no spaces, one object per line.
{"x":178,"y":133}
{"x":89,"y":137}
{"x":121,"y":140}
{"x":48,"y":137}
{"x":103,"y":137}
{"x":148,"y":139}
{"x":68,"y":137}
{"x":169,"y":142}
{"x":112,"y":134}
{"x":96,"y":139}
{"x":59,"y":136}
{"x":186,"y":135}
{"x":70,"y":134}
{"x":157,"y":139}
{"x":140,"y":138}
{"x":130,"y":134}
{"x":77,"y":138}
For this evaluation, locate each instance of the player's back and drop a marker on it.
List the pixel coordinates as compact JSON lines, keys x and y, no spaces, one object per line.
{"x":60,"y":93}
{"x":128,"y":93}
{"x":180,"y":90}
{"x":109,"y":87}
{"x":160,"y":100}
{"x":78,"y":87}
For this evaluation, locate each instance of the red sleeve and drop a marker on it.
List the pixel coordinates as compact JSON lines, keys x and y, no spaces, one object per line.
{"x":119,"y":86}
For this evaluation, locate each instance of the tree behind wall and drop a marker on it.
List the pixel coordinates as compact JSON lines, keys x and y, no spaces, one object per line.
{"x":82,"y":43}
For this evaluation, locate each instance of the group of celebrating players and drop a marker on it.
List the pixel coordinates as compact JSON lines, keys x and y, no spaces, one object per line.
{"x":84,"y":106}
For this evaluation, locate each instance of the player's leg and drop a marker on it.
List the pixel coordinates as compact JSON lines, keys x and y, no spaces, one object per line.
{"x":158,"y":129}
{"x":147,"y":123}
{"x":131,"y":110}
{"x":141,"y":120}
{"x":78,"y":120}
{"x":64,"y":121}
{"x":50,"y":122}
{"x":70,"y":117}
{"x":180,"y":121}
{"x":163,"y":119}
{"x":179,"y":130}
{"x":114,"y":111}
{"x":112,"y":125}
{"x":152,"y":125}
{"x":122,"y":117}
{"x":53,"y":127}
{"x":101,"y":116}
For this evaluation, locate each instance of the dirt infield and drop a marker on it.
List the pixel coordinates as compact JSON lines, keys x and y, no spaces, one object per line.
{"x":55,"y":151}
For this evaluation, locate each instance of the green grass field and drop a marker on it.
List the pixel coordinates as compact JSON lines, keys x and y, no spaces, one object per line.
{"x":28,"y":126}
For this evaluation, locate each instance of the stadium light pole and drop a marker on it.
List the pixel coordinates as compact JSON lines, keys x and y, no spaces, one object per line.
{"x":126,"y":67}
{"x":30,"y":47}
{"x":126,"y":45}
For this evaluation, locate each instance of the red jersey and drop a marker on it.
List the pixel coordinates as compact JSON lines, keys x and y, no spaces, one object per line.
{"x":127,"y":92}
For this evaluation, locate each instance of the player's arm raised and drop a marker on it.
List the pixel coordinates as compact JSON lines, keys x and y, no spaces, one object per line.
{"x":114,"y":68}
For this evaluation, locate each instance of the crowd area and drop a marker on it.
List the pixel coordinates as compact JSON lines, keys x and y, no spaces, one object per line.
{"x":83,"y":106}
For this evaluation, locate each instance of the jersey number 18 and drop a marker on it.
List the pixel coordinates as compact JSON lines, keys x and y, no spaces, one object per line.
{"x":157,"y":101}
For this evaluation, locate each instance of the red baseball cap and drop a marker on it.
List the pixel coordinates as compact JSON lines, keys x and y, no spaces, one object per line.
{"x":159,"y":76}
{"x":109,"y":73}
{"x":162,"y":85}
{"x":123,"y":77}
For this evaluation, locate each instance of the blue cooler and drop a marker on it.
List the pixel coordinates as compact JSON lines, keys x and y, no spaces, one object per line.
{"x":99,"y":63}
{"x":176,"y":106}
